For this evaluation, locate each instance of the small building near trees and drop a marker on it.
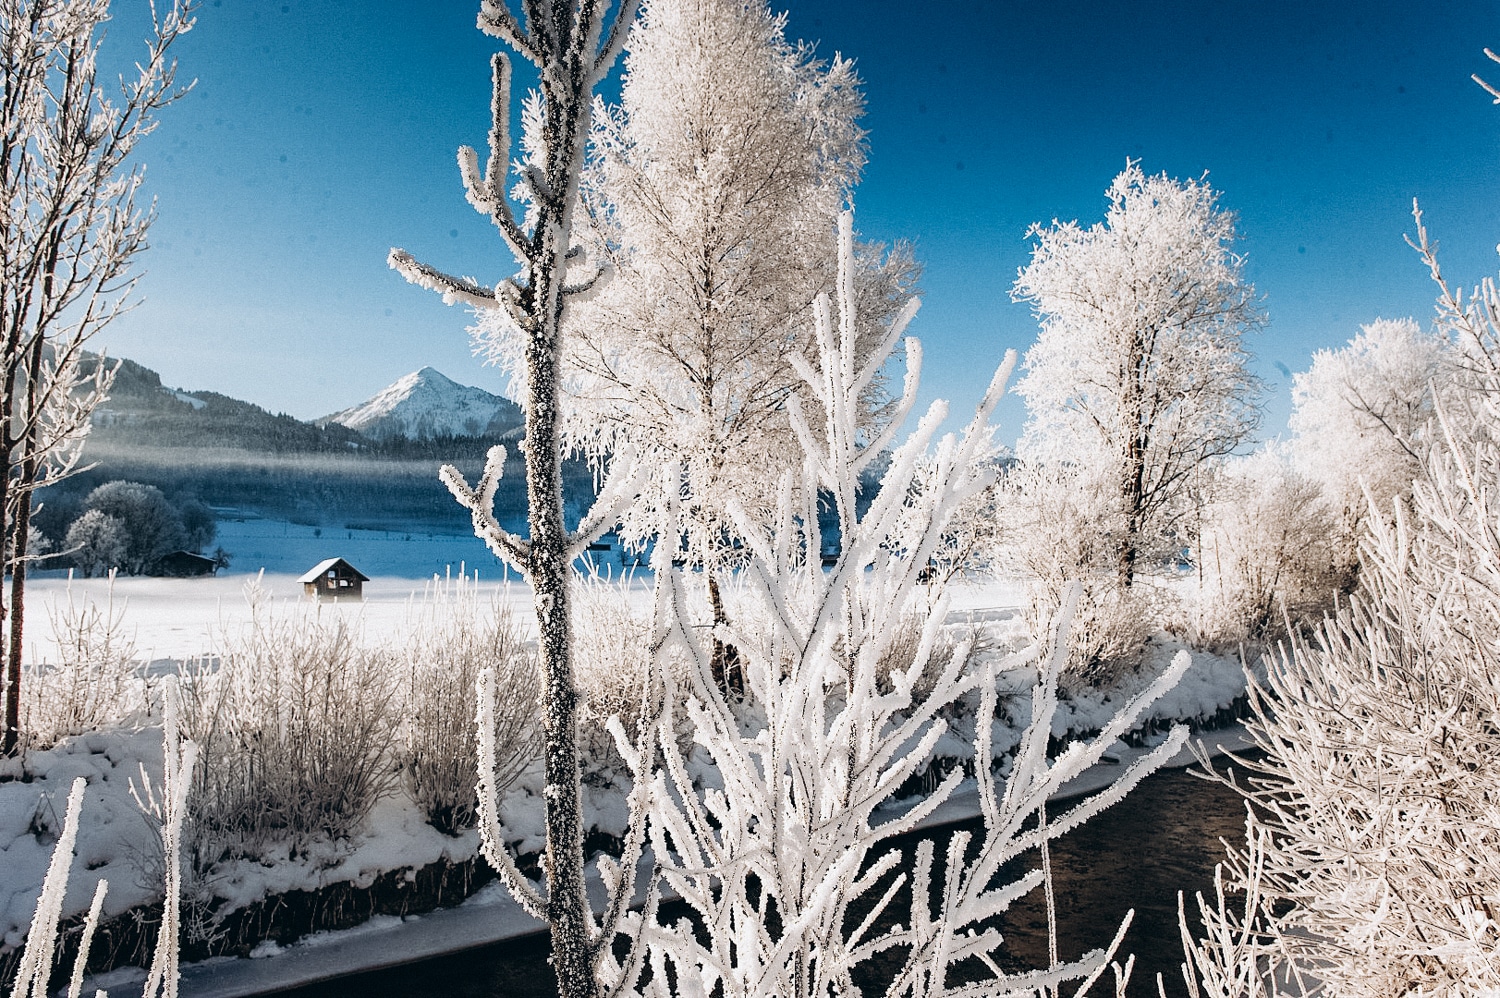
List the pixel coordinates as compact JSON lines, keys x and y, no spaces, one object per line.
{"x":185,"y":565}
{"x":334,"y":579}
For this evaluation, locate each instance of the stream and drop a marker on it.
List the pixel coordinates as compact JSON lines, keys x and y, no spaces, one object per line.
{"x":1163,"y":838}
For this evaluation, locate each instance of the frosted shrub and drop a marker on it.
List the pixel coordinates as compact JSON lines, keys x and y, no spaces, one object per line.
{"x":611,"y":666}
{"x":1372,"y":861}
{"x":455,"y":638}
{"x":1054,"y":530}
{"x":1382,"y":759}
{"x":1267,"y":552}
{"x":777,"y":844}
{"x":96,"y":680}
{"x":295,"y":728}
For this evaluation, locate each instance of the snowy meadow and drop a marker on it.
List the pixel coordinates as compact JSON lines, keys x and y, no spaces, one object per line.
{"x":858,"y":619}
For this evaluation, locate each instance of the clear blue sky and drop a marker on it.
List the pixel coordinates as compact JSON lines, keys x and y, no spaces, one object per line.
{"x":322,"y":132}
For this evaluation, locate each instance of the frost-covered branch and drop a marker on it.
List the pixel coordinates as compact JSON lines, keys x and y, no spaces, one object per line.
{"x":626,"y":479}
{"x":788,"y":822}
{"x":491,"y":839}
{"x":35,"y":968}
{"x":480,"y":502}
{"x":452,"y":289}
{"x":73,"y":219}
{"x":179,"y":757}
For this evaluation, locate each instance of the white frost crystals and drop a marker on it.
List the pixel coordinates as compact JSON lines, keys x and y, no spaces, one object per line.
{"x":767,"y":829}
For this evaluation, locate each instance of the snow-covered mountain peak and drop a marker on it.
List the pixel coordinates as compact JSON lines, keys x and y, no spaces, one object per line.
{"x":426,"y":404}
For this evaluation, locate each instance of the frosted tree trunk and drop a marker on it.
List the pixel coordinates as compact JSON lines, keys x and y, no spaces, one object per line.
{"x":563,"y":42}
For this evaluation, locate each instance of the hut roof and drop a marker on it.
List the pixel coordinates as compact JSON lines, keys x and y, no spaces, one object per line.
{"x":322,"y":567}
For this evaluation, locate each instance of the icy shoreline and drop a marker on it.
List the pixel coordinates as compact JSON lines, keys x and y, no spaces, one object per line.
{"x":490,"y":916}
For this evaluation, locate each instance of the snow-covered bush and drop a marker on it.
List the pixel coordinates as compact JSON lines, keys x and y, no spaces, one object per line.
{"x":1266,"y":553}
{"x":1053,"y":531}
{"x":611,"y":668}
{"x":1380,"y":872}
{"x":453,"y":639}
{"x":295,"y":729}
{"x":1372,"y":863}
{"x":95,"y":682}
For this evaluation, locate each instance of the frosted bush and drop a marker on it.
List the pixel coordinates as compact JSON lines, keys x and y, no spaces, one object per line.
{"x":96,"y":680}
{"x":1053,"y":531}
{"x":610,"y":667}
{"x":1267,"y":552}
{"x":768,"y":831}
{"x":454,"y":637}
{"x":295,"y":727}
{"x":1372,"y":861}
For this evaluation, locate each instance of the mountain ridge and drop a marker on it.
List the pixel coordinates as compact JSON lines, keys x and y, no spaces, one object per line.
{"x":427,"y":404}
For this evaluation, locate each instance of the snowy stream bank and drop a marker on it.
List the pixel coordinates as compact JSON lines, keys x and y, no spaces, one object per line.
{"x":491,"y":916}
{"x":390,"y":878}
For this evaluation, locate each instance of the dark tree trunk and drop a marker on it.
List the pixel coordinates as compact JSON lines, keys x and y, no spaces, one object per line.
{"x":725,"y":660}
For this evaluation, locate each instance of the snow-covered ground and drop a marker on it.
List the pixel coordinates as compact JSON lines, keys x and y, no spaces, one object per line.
{"x":182,"y":618}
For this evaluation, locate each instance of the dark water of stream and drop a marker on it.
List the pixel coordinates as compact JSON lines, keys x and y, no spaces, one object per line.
{"x":1161,"y":839}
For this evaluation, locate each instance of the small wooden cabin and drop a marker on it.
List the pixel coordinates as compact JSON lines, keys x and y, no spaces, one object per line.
{"x":185,"y":565}
{"x":334,"y":579}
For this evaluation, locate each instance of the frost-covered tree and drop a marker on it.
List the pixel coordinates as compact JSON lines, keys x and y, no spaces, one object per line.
{"x":714,"y":189}
{"x":1140,"y":367}
{"x":97,"y":542}
{"x":1364,"y":414}
{"x":776,"y":852}
{"x":572,"y":52}
{"x":148,"y":523}
{"x":70,"y":231}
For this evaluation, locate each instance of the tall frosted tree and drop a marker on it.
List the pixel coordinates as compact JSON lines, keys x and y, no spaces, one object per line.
{"x":572,"y":52}
{"x":713,"y":189}
{"x":1140,"y":366}
{"x":71,"y":227}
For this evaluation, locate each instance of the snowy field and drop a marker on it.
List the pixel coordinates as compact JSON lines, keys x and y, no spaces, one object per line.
{"x":175,"y":619}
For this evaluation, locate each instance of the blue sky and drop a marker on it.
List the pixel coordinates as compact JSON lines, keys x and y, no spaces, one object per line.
{"x":322,"y":132}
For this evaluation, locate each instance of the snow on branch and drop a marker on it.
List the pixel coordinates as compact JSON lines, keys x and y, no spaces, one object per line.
{"x":452,"y":289}
{"x":491,"y":839}
{"x":36,"y":959}
{"x":622,"y":487}
{"x":480,"y":502}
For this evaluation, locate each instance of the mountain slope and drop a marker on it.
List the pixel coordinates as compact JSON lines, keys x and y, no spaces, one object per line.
{"x":141,"y":411}
{"x":425,"y":405}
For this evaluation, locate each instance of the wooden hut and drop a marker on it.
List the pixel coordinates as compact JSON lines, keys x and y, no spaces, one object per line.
{"x":334,"y":579}
{"x":185,"y":565}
